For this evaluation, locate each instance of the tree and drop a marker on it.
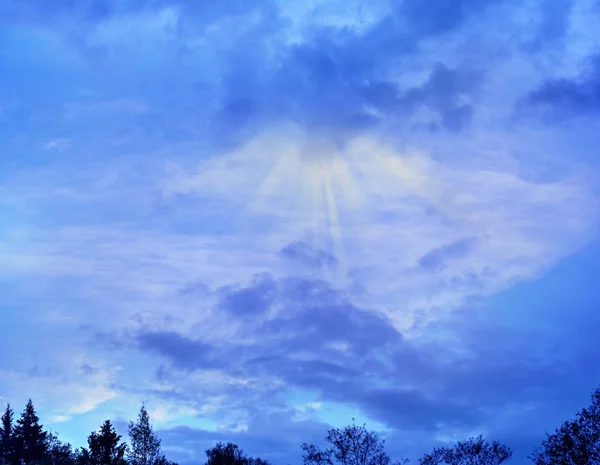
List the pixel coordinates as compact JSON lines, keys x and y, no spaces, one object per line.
{"x":473,"y":451}
{"x":103,"y":448}
{"x":29,"y":437}
{"x":225,"y":454}
{"x":58,"y":453}
{"x":230,"y":454}
{"x":257,"y":461}
{"x":354,"y":445}
{"x":7,"y":446}
{"x":575,"y":442}
{"x":145,"y":445}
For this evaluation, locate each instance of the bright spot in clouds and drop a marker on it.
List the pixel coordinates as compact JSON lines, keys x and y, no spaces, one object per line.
{"x":381,"y":211}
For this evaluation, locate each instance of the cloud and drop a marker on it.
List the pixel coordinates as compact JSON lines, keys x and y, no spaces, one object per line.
{"x":559,"y":99}
{"x":436,"y":258}
{"x":189,"y":354}
{"x":449,"y":379}
{"x":59,"y":144}
{"x":302,"y":254}
{"x":327,"y":217}
{"x":64,"y":390}
{"x":428,"y":19}
{"x":251,"y":301}
{"x":447,"y":92}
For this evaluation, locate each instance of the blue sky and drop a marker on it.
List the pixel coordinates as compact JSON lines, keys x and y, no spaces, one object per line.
{"x":267,"y":218}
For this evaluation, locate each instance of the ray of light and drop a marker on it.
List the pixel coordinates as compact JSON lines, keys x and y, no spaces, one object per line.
{"x":335,"y":230}
{"x":314,"y":191}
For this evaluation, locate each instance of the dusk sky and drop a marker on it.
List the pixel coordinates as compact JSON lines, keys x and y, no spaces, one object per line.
{"x":266,"y":218}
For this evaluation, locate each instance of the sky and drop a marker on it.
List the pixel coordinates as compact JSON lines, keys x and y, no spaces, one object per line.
{"x":266,"y":218}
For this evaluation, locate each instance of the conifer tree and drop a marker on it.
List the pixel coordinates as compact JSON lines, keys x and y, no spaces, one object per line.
{"x":103,"y":448}
{"x":29,"y":437}
{"x":58,"y":453}
{"x":7,"y":437}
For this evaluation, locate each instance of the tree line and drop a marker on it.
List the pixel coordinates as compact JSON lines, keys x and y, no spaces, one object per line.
{"x":574,"y":442}
{"x":25,"y":442}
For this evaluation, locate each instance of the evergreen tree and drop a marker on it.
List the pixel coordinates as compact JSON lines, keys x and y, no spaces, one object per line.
{"x":7,"y":450}
{"x":103,"y":448}
{"x":58,"y":453}
{"x":29,"y":437}
{"x":145,"y":445}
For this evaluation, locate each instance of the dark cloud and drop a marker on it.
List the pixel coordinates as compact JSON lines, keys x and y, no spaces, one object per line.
{"x":431,"y":18}
{"x":410,"y":409}
{"x":437,"y":258}
{"x":180,"y":350}
{"x":555,"y":21}
{"x":328,"y":87}
{"x":197,"y":288}
{"x":369,"y":348}
{"x":248,"y":301}
{"x":94,"y":11}
{"x":561,"y":99}
{"x":363,"y":331}
{"x":338,"y":81}
{"x":89,"y":370}
{"x":300,"y":253}
{"x":469,"y":370}
{"x":443,"y":92}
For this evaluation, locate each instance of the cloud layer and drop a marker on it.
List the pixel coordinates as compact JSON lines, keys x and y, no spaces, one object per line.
{"x":276,"y":216}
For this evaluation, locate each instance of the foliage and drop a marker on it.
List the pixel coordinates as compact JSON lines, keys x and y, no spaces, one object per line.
{"x":473,"y":451}
{"x":354,"y":445}
{"x":145,"y":445}
{"x":104,"y":448}
{"x":575,"y":442}
{"x":29,"y":437}
{"x":225,"y":454}
{"x":230,"y":454}
{"x":58,"y":453}
{"x":7,"y":445}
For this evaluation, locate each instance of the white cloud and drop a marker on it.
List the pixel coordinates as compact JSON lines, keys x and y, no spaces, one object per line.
{"x":381,"y":210}
{"x":58,"y":145}
{"x":376,"y":208}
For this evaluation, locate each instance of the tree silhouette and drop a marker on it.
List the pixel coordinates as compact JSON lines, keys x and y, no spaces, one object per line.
{"x":354,"y":445}
{"x":29,"y":437}
{"x":58,"y":453}
{"x":103,"y":448}
{"x":145,"y":445}
{"x":473,"y":451}
{"x":257,"y":461}
{"x":7,"y":445}
{"x":225,"y":454}
{"x":575,"y":442}
{"x":230,"y":454}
